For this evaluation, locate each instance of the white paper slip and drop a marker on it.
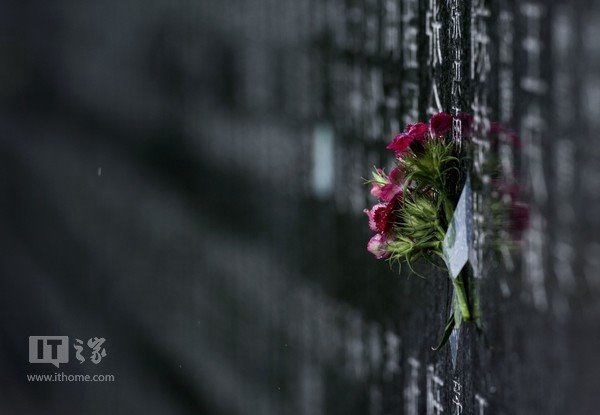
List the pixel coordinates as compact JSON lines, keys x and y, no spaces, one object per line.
{"x":458,"y":235}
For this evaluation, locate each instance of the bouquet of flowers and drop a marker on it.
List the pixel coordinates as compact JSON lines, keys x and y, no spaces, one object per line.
{"x":417,"y":199}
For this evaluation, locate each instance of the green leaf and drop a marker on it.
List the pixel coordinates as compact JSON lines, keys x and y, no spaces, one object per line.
{"x":447,"y":332}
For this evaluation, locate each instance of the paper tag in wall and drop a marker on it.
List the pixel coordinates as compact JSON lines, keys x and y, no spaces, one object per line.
{"x":458,"y":235}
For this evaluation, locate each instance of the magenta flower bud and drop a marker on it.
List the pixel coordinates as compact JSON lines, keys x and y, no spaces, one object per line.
{"x":377,"y":245}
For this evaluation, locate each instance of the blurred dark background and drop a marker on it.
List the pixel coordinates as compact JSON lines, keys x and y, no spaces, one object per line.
{"x":184,"y":179}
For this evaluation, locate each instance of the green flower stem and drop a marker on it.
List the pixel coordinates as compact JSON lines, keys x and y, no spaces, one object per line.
{"x":461,"y":297}
{"x":448,"y":210}
{"x":427,"y":245}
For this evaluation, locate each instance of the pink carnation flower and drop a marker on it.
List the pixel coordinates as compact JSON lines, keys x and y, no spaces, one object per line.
{"x":376,"y":185}
{"x":390,"y":187}
{"x":412,"y":132}
{"x":390,"y":191}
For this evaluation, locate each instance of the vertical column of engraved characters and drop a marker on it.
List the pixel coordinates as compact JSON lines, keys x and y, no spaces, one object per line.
{"x":590,"y":174}
{"x":391,"y":366}
{"x":479,"y":75}
{"x":410,"y":93}
{"x":296,"y":88}
{"x":336,"y":22}
{"x":373,"y":80}
{"x":357,"y":99}
{"x":311,"y":389}
{"x":347,"y":106}
{"x":334,"y":70}
{"x":354,"y":15}
{"x":433,"y":29}
{"x":374,"y":100}
{"x":532,"y":129}
{"x":391,"y":376}
{"x":310,"y":386}
{"x":391,"y":51}
{"x":375,"y":358}
{"x":307,"y":89}
{"x":457,"y":393}
{"x":435,"y":386}
{"x":564,"y":47}
{"x":340,"y":107}
{"x":317,"y":170}
{"x":506,"y":145}
{"x":456,"y":92}
{"x":371,"y":27}
{"x":355,"y":363}
{"x":412,"y":392}
{"x":259,"y":75}
{"x":366,"y":92}
{"x":391,"y":26}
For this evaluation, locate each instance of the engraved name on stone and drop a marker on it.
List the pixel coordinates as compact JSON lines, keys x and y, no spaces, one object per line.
{"x":435,"y":386}
{"x":456,"y":92}
{"x":411,"y":390}
{"x":532,"y":45}
{"x":355,"y":348}
{"x":506,"y":69}
{"x":433,"y":26}
{"x":564,"y":102}
{"x":391,"y":26}
{"x":410,"y":64}
{"x":480,"y":404}
{"x":392,"y":355}
{"x":456,"y":397}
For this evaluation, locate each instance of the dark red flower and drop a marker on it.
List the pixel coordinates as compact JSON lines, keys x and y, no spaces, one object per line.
{"x":380,"y":217}
{"x":400,"y":143}
{"x":418,"y":131}
{"x":440,"y":124}
{"x":412,"y":132}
